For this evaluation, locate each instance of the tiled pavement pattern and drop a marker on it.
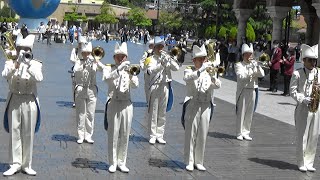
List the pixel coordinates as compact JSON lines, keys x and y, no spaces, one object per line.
{"x":271,"y":155}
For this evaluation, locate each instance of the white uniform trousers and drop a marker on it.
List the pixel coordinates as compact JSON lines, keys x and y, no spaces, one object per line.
{"x":85,"y":109}
{"x":22,"y":114}
{"x":244,"y":113}
{"x":157,"y":110}
{"x":197,"y":120}
{"x":119,"y":115}
{"x":307,"y":127}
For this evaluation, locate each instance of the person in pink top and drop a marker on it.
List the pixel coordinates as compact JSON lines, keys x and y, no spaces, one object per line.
{"x":288,"y":69}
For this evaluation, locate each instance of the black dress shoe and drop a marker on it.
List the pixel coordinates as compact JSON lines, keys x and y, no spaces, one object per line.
{"x":284,"y":94}
{"x":274,"y":90}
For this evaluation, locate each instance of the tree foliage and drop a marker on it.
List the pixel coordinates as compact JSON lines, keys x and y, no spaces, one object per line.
{"x":74,"y":16}
{"x":222,"y":33}
{"x":210,"y":32}
{"x":233,"y":33}
{"x":7,"y":12}
{"x":170,"y":21}
{"x":250,"y":34}
{"x":107,"y":15}
{"x":138,"y":17}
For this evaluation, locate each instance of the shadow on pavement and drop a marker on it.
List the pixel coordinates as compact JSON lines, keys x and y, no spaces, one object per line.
{"x":64,"y":137}
{"x":93,"y":165}
{"x":4,"y":167}
{"x":221,"y":135}
{"x":64,"y":104}
{"x":139,"y":104}
{"x":275,"y":163}
{"x":135,"y":138}
{"x":174,"y":165}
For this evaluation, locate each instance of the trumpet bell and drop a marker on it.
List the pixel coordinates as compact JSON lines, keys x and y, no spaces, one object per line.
{"x":134,"y":70}
{"x":98,"y":52}
{"x":175,"y":51}
{"x":213,"y":70}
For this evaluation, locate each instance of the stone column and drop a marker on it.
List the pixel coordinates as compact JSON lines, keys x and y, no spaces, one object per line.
{"x":242,"y":16}
{"x":309,"y":18}
{"x":277,"y":13}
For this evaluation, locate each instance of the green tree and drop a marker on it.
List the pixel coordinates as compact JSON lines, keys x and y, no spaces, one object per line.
{"x":170,"y":21}
{"x":233,"y":33}
{"x":210,"y":31}
{"x":74,"y":16}
{"x":222,"y":32}
{"x":138,"y":17}
{"x":107,"y":15}
{"x":6,"y":11}
{"x":250,"y":34}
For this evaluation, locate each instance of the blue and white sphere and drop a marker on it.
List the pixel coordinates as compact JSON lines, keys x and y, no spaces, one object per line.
{"x":34,"y":8}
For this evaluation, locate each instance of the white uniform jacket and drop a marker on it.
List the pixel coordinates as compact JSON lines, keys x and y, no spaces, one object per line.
{"x":119,"y":85}
{"x":306,"y":122}
{"x":85,"y":73}
{"x":200,"y":87}
{"x":247,"y":77}
{"x":160,"y":74}
{"x":22,"y":81}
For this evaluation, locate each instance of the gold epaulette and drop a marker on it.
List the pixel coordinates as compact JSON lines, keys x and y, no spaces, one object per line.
{"x":190,"y":67}
{"x":108,"y":64}
{"x":147,"y":61}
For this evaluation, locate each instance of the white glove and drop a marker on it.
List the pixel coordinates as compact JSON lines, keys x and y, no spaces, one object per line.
{"x":79,"y":88}
{"x":307,"y":100}
{"x":204,"y":66}
{"x":123,"y":65}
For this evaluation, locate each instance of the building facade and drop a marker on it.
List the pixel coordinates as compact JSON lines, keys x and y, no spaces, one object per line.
{"x":89,"y":8}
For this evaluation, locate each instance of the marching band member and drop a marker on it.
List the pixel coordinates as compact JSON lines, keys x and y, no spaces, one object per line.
{"x":248,"y":71}
{"x":22,"y":113}
{"x":119,"y":109}
{"x":76,"y":55}
{"x":86,"y":91}
{"x":160,"y":92}
{"x":306,"y":121}
{"x":198,"y":107}
{"x":143,"y":63}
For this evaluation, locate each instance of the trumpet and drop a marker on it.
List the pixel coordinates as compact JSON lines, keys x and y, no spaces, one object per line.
{"x":28,"y":55}
{"x":134,"y":69}
{"x":215,"y":70}
{"x":98,"y":53}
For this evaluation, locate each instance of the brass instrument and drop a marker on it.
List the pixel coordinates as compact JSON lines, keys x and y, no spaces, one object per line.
{"x":215,"y":70}
{"x":134,"y":69}
{"x":175,"y":52}
{"x":211,"y":52}
{"x":8,"y":46}
{"x":264,"y":60}
{"x":98,"y":53}
{"x":315,"y":95}
{"x":28,"y":55}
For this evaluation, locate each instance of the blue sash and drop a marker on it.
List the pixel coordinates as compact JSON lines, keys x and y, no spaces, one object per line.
{"x":170,"y":98}
{"x":6,"y":117}
{"x":105,"y":115}
{"x":257,"y":98}
{"x":184,"y":107}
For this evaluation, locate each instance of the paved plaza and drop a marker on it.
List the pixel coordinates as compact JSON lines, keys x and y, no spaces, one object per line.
{"x":271,"y":154}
